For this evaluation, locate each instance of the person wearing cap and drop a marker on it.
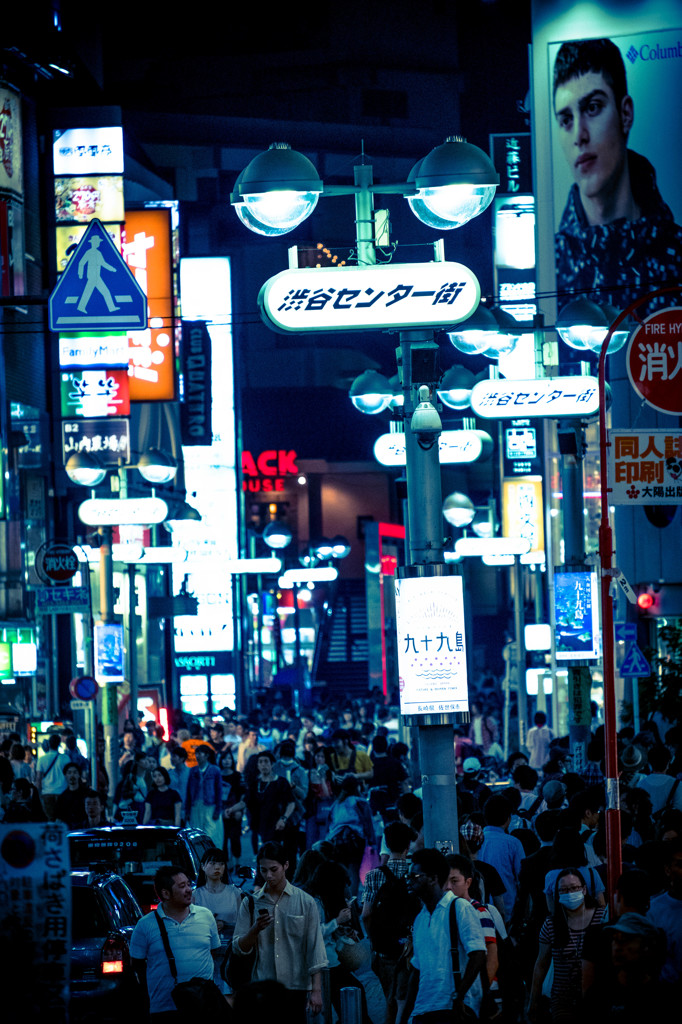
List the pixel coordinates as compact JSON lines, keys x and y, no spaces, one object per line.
{"x":666,"y":912}
{"x":632,"y":762}
{"x":470,"y":790}
{"x":628,"y":987}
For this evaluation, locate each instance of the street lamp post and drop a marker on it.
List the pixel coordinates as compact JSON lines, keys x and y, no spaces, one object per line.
{"x":451,"y":185}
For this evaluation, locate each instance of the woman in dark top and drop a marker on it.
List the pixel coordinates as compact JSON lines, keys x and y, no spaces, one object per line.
{"x":233,"y":804}
{"x":163,"y":805}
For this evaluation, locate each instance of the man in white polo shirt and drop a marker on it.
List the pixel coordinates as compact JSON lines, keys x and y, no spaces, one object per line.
{"x":434,"y":990}
{"x":192,"y":935}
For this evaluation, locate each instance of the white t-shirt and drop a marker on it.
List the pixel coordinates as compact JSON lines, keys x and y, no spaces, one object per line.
{"x":191,"y":942}
{"x":51,"y":766}
{"x":432,"y":957}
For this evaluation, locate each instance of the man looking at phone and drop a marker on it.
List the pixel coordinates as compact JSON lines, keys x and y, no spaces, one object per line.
{"x":286,"y":935}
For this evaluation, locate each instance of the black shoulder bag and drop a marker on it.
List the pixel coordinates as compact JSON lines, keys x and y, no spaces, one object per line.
{"x":197,"y":994}
{"x":461,"y":1013}
{"x":237,"y":968}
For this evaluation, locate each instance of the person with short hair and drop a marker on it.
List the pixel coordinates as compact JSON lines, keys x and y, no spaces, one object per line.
{"x":433,"y":989}
{"x":204,"y":805}
{"x":95,"y":810}
{"x":193,"y":938}
{"x":503,"y":851}
{"x":392,"y":971}
{"x":50,"y":778}
{"x":348,"y":760}
{"x":286,"y":933}
{"x":538,"y":739}
{"x":163,"y":804}
{"x":70,"y":805}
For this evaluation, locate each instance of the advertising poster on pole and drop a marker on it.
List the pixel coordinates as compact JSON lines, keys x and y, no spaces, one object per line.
{"x":431,"y":645}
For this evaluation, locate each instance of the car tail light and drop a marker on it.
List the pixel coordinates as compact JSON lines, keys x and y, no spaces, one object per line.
{"x":114,"y":955}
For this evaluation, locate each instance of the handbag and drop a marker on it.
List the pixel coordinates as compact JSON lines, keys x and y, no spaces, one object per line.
{"x":236,"y":970}
{"x":196,"y":995}
{"x":352,"y":948}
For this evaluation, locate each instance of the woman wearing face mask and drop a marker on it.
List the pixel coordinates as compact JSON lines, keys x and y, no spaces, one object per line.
{"x":561,"y":942}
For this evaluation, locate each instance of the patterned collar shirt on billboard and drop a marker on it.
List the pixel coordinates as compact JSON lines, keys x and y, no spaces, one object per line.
{"x":621,"y":261}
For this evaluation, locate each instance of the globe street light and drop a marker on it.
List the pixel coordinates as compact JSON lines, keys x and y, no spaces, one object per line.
{"x":452,"y":184}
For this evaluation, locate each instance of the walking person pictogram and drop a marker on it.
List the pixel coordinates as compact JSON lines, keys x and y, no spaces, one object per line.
{"x":92,"y":264}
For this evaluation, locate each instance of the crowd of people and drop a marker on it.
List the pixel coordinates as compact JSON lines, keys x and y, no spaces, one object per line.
{"x":516,"y":924}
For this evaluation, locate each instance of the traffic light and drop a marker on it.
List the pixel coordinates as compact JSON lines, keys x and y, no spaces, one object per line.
{"x":650,"y":599}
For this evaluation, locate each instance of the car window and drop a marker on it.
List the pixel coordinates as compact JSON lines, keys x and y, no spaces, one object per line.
{"x":122,"y":904}
{"x":88,"y":920}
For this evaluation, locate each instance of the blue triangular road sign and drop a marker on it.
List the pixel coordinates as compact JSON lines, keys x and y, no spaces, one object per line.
{"x":634,"y":663}
{"x":98,"y":290}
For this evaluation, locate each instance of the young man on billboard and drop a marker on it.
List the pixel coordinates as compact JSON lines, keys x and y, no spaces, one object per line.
{"x":617,"y":239}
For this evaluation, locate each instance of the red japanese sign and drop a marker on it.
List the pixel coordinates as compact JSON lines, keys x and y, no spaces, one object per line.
{"x":654,"y":360}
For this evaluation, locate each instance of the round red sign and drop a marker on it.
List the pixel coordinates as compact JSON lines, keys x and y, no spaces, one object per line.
{"x":654,"y":360}
{"x":56,"y":562}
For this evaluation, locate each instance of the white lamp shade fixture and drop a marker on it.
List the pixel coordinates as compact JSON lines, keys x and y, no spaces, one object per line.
{"x":84,"y":469}
{"x":276,"y":191}
{"x":582,"y":324}
{"x":458,"y":509}
{"x":277,"y":535}
{"x":619,"y":337}
{"x":482,"y":333}
{"x":371,"y":392}
{"x":455,"y":387}
{"x":455,"y":182}
{"x":156,"y":467}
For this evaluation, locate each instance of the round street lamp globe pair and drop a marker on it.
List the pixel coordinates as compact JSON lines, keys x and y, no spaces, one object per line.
{"x":583,"y":325}
{"x":154,"y":466}
{"x":280,"y":188}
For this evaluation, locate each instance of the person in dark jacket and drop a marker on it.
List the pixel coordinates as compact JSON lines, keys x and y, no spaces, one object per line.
{"x":204,"y":804}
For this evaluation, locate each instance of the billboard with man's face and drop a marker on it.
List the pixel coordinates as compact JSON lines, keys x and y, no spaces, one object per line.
{"x":616,"y":188}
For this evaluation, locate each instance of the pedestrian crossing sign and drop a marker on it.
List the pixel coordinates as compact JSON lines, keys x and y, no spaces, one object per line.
{"x":634,"y":663}
{"x":98,"y":290}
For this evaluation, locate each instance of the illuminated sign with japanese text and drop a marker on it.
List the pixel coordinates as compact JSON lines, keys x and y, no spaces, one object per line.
{"x":645,"y":467}
{"x":108,"y":439}
{"x":95,"y":393}
{"x":88,"y":151}
{"x":81,"y":199}
{"x":654,"y":361}
{"x":431,"y":645}
{"x":147,"y":251}
{"x":453,"y":446}
{"x":361,"y":298}
{"x":550,"y":396}
{"x":522,"y":511}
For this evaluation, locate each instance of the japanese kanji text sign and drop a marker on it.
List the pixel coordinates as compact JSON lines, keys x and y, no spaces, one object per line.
{"x":551,"y":396}
{"x":431,"y":645}
{"x":365,"y":298}
{"x":654,"y":360}
{"x":645,"y":467}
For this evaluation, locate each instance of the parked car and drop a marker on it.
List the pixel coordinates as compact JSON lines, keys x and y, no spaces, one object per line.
{"x":136,"y":852}
{"x":104,"y":913}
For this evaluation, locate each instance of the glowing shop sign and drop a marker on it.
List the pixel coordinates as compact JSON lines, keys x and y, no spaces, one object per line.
{"x":551,"y":396}
{"x":361,"y":298}
{"x":453,"y":446}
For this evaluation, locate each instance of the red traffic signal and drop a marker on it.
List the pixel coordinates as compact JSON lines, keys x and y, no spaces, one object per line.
{"x":646,"y":601}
